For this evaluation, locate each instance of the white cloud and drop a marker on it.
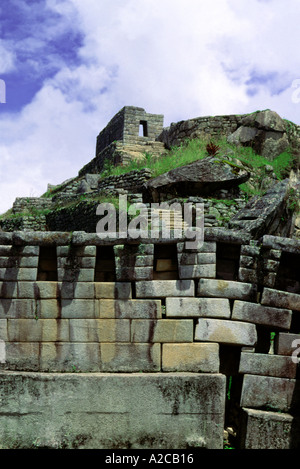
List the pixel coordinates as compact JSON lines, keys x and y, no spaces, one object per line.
{"x":179,"y":58}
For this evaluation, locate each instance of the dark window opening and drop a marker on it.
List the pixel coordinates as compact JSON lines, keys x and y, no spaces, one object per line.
{"x":165,"y":262}
{"x":288,"y":275}
{"x":228,"y":261}
{"x":143,"y":130}
{"x":105,"y":270}
{"x":47,"y":267}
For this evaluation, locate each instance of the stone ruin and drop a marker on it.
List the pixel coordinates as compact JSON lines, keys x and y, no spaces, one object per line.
{"x":144,"y":343}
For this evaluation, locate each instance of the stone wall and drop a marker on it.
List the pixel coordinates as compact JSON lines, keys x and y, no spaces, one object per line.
{"x":75,"y":303}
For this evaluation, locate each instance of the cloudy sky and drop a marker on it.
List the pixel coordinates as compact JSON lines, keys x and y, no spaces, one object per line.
{"x":69,"y":65}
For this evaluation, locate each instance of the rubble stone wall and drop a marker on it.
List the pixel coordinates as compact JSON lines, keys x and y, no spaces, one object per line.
{"x":71,"y":302}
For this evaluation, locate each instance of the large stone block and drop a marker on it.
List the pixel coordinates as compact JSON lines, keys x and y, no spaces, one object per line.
{"x":75,"y":275}
{"x":281,"y":299}
{"x":127,"y":274}
{"x":162,"y":330}
{"x":130,"y":357}
{"x":268,"y":430}
{"x":79,"y":251}
{"x":17,"y":262}
{"x":267,"y":365}
{"x":22,"y":356}
{"x":99,"y":330}
{"x":113,"y":290}
{"x":204,"y":247}
{"x":79,"y":309}
{"x":226,"y":332}
{"x":264,"y":392}
{"x":69,"y":356}
{"x":196,"y":358}
{"x":3,"y":330}
{"x":227,"y":289}
{"x":130,"y":309}
{"x":198,"y":307}
{"x":263,"y":315}
{"x":14,"y":274}
{"x":197,"y":271}
{"x":16,"y":308}
{"x":165,"y":288}
{"x":38,"y":290}
{"x":38,"y":330}
{"x":287,"y":344}
{"x":137,"y":411}
{"x":8,"y":290}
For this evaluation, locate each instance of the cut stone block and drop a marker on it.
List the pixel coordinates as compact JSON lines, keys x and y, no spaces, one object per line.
{"x":197,"y":271}
{"x":226,"y":332}
{"x":165,"y":288}
{"x":130,"y":358}
{"x":287,"y":344}
{"x":268,"y":430}
{"x":3,"y":331}
{"x":198,"y":307}
{"x":79,"y":309}
{"x":38,"y":330}
{"x":130,"y":309}
{"x":8,"y":290}
{"x":134,"y":410}
{"x":252,"y":251}
{"x":248,"y":275}
{"x":227,"y":289}
{"x":263,"y":315}
{"x":162,"y":330}
{"x":16,"y":262}
{"x":22,"y":356}
{"x":38,"y":290}
{"x":127,"y":274}
{"x":264,"y":392}
{"x":99,"y":330}
{"x":82,"y":251}
{"x":69,"y":357}
{"x":194,"y":358}
{"x":205,"y":247}
{"x":267,"y":365}
{"x":248,"y":262}
{"x":74,"y":263}
{"x":18,"y":274}
{"x":281,"y":299}
{"x":113,"y":290}
{"x":78,"y":275}
{"x":15,"y":308}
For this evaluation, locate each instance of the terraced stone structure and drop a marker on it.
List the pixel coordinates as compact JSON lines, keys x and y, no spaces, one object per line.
{"x":125,"y":343}
{"x":158,"y":335}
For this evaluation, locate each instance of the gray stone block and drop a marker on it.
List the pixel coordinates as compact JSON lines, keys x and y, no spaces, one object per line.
{"x":287,"y":344}
{"x":226,"y":332}
{"x":227,"y":289}
{"x":197,"y":271}
{"x":264,"y":392}
{"x":17,"y":308}
{"x":130,"y":357}
{"x":198,"y":307}
{"x":162,"y":330}
{"x":134,"y":410}
{"x":129,"y":309}
{"x":79,"y":309}
{"x":268,"y":430}
{"x":281,"y":299}
{"x":264,"y":315}
{"x":267,"y":365}
{"x":165,"y":288}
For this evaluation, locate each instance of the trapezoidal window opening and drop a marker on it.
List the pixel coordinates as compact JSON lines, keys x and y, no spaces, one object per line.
{"x":47,"y":266}
{"x":165,"y":262}
{"x":288,"y":274}
{"x":143,"y":129}
{"x":228,"y":261}
{"x":105,"y":270}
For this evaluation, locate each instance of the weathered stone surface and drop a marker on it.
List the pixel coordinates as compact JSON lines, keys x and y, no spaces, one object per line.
{"x":195,"y":401}
{"x":226,"y":332}
{"x":267,"y":365}
{"x":197,"y":271}
{"x":99,"y":330}
{"x":243,"y":136}
{"x":38,"y":330}
{"x":281,"y":299}
{"x":263,"y":315}
{"x":78,"y":309}
{"x":16,"y":308}
{"x":262,"y":214}
{"x":264,"y":392}
{"x":130,"y":309}
{"x":130,"y":357}
{"x":162,"y":330}
{"x":268,"y":430}
{"x":196,"y":358}
{"x":165,"y":288}
{"x":287,"y":344}
{"x":205,"y":247}
{"x":113,"y":290}
{"x":197,"y":178}
{"x":18,"y":274}
{"x":281,"y":243}
{"x":198,"y":307}
{"x":227,"y":289}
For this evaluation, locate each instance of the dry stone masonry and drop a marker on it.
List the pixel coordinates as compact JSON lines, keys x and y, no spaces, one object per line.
{"x":147,"y":343}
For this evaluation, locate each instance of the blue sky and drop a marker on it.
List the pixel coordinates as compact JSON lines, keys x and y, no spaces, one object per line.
{"x":70,"y":65}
